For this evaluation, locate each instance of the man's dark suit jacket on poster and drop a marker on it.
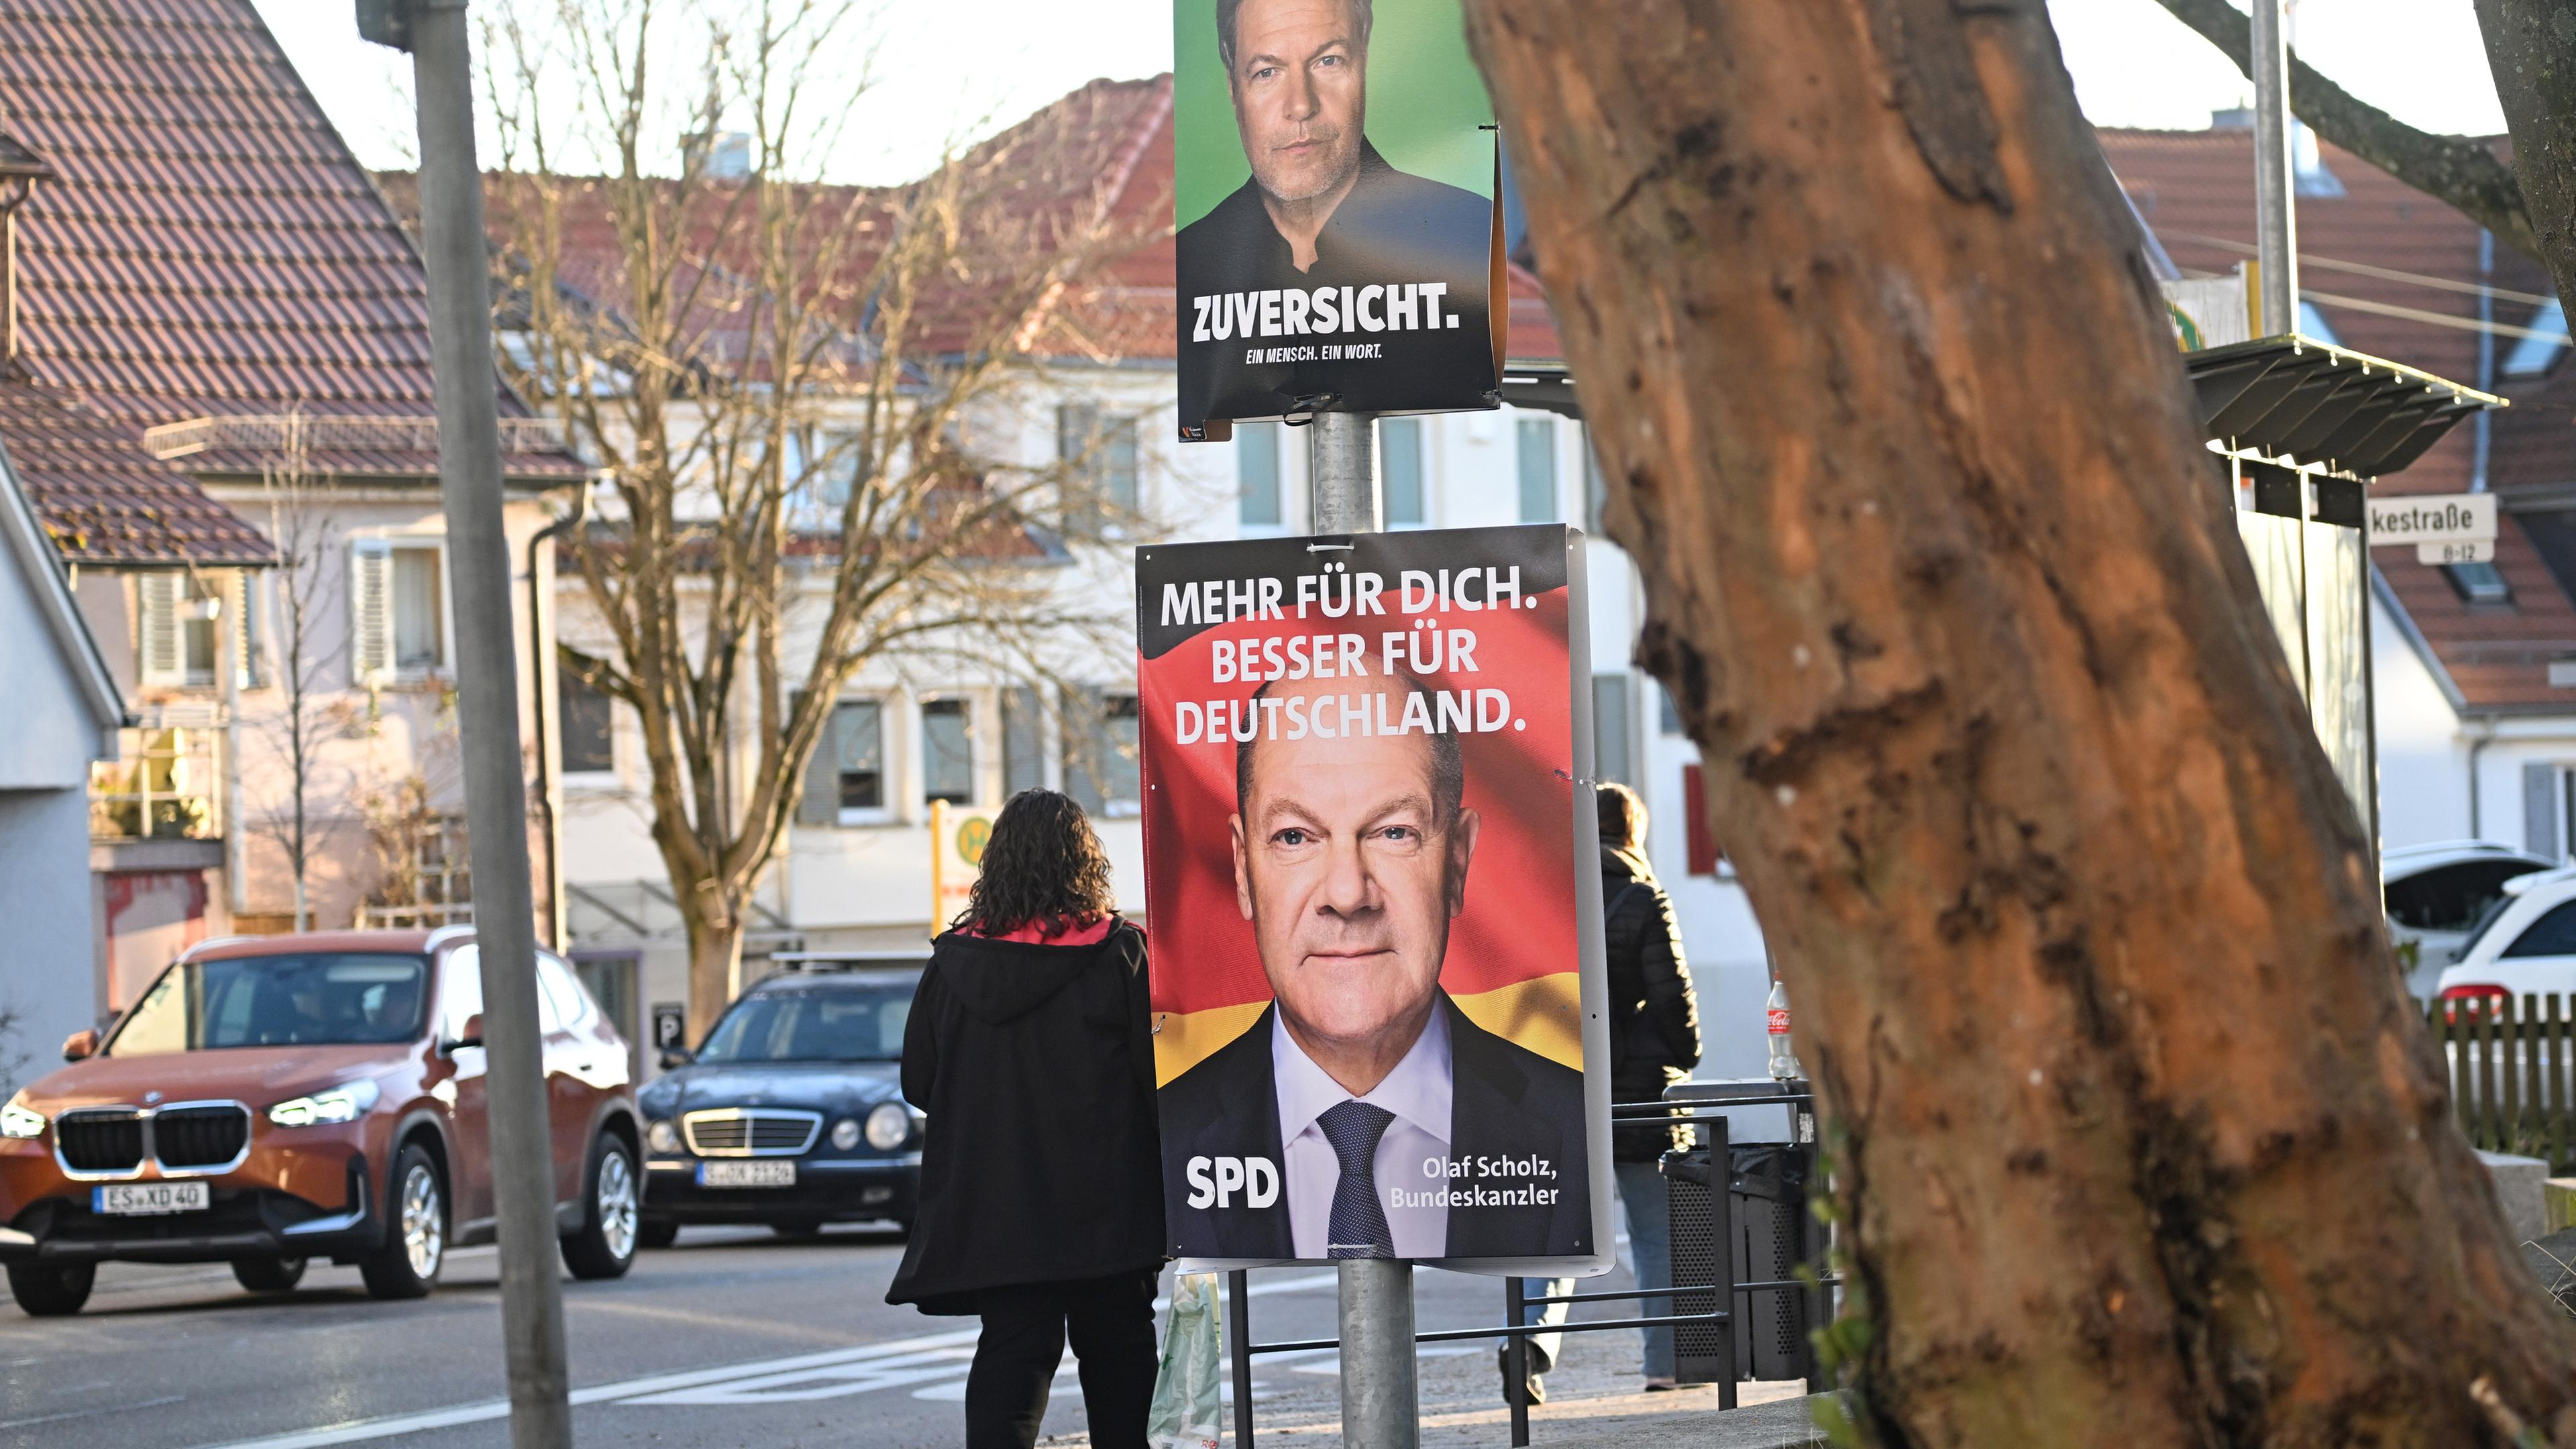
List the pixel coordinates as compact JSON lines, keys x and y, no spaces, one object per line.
{"x":1393,"y":227}
{"x":1504,"y":1101}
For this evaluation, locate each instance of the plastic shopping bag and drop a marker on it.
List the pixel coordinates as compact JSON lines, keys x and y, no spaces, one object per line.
{"x":1186,"y":1413}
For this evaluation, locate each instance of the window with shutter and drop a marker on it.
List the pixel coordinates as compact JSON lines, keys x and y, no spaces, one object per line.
{"x":1610,"y":728}
{"x":820,"y":803}
{"x":1120,"y":756}
{"x":585,"y":729}
{"x":1118,"y":464}
{"x":845,"y":782}
{"x":1256,"y":462}
{"x":1400,"y":471}
{"x":1100,"y":752}
{"x":1074,"y":425}
{"x":947,"y":752}
{"x":1101,"y":456}
{"x":160,"y":651}
{"x":859,"y":755}
{"x":371,"y":610}
{"x":1023,"y":741}
{"x":420,"y":610}
{"x":250,"y":630}
{"x":1537,"y":451}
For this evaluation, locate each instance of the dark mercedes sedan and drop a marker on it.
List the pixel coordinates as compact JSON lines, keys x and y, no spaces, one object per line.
{"x":791,"y":1113}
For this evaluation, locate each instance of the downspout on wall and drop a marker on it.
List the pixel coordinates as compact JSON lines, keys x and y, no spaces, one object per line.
{"x":20,"y":170}
{"x":2482,"y":439}
{"x":2481,"y":445}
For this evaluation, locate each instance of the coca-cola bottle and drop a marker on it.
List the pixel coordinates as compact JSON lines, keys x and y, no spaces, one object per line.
{"x":1784,"y":1059}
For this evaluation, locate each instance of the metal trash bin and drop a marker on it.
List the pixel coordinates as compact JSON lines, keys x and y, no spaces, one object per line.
{"x":1773,"y":1233}
{"x":1768,"y":1181}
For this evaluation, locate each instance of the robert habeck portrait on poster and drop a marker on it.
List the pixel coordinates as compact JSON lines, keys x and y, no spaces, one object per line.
{"x":1328,"y":271}
{"x":1363,"y":1114}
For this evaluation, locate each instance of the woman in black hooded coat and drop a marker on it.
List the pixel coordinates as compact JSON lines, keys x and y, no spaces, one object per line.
{"x":1029,"y":1051}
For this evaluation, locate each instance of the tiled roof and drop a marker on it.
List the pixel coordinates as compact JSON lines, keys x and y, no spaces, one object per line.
{"x":209,"y":247}
{"x":104,"y":497}
{"x":1098,"y":158}
{"x":2195,"y":189}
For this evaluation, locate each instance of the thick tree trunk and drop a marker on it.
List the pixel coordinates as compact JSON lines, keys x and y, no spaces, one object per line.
{"x":2531,"y":47}
{"x":2140,"y":1142}
{"x":715,"y":968}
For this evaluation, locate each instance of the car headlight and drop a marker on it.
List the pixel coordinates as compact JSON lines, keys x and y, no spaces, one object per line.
{"x":342,"y":1103}
{"x":845,"y":1133}
{"x":888,"y":1126}
{"x":17,"y":1120}
{"x":662,"y":1137}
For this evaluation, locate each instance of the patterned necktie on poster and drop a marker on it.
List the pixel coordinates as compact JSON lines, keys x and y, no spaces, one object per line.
{"x":1358,"y":1228}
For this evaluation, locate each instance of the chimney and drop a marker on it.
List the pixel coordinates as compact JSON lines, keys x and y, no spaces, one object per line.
{"x":20,"y":170}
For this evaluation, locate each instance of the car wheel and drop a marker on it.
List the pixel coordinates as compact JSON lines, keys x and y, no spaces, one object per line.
{"x":51,"y":1290}
{"x":657,"y":1232}
{"x":415,"y":1246}
{"x":604,"y":1245}
{"x":268,"y":1275}
{"x":797,"y":1227}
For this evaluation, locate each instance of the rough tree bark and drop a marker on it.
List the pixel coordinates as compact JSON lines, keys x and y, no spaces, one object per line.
{"x":2139,"y":1138}
{"x":2531,"y":47}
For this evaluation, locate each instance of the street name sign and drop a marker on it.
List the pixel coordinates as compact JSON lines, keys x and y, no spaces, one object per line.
{"x":2433,"y":518}
{"x":2456,"y":551}
{"x":2446,"y":528}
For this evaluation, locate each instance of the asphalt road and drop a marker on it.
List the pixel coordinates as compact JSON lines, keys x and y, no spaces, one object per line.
{"x":731,"y":1338}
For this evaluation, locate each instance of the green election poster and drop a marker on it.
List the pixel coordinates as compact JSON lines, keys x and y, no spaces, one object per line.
{"x":1334,"y":190}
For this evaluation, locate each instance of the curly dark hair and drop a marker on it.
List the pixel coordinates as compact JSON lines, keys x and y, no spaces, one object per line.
{"x":1043,"y":863}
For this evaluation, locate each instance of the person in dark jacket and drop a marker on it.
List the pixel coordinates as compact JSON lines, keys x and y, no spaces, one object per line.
{"x":1030,"y":1052}
{"x":1654,"y":1042}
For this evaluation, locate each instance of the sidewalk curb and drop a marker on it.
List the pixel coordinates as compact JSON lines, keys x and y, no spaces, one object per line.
{"x":1780,"y":1424}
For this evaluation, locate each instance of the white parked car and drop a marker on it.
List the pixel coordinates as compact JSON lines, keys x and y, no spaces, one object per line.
{"x":2437,"y":895}
{"x":2526,"y":944}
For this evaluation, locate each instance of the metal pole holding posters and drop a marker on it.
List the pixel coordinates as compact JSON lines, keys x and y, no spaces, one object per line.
{"x":2276,"y":232}
{"x":487,"y":705}
{"x":1381,"y":1398}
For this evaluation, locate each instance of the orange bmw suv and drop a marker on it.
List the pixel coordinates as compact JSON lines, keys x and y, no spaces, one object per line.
{"x":277,"y":1099}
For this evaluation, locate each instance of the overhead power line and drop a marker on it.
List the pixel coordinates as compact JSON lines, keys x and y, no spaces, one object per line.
{"x":2390,"y":274}
{"x":2438,"y":319}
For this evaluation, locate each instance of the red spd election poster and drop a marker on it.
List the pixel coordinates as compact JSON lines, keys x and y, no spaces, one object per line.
{"x":1369,"y":854}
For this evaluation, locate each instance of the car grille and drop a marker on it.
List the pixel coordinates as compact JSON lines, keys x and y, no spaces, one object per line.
{"x":199,"y":1137}
{"x":750,"y":1132}
{"x":189,"y":1137}
{"x":100,"y":1141}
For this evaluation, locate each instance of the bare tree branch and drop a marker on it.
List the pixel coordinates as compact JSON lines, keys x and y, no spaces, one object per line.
{"x":2459,"y":172}
{"x":806,"y":400}
{"x":2528,"y":48}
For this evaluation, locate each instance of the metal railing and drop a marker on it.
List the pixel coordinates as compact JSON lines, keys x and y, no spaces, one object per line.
{"x":418,"y":914}
{"x":1707,"y":1116}
{"x":282,"y":432}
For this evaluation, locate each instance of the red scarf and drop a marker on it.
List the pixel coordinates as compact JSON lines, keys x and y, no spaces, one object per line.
{"x":1054,"y":931}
